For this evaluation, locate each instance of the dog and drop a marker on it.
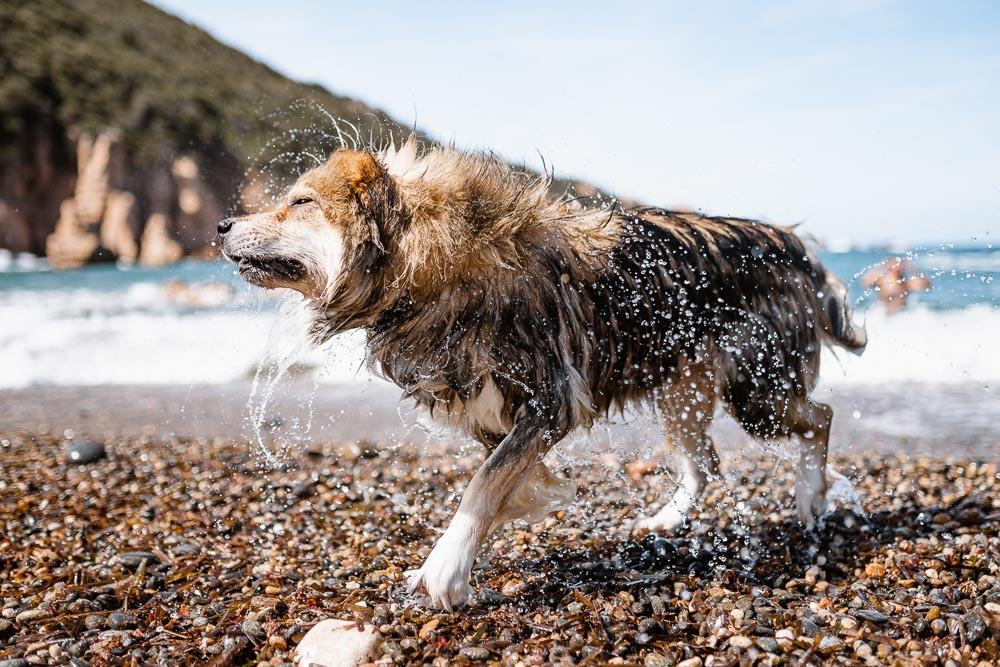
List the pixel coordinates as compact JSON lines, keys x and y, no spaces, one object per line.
{"x":520,"y":317}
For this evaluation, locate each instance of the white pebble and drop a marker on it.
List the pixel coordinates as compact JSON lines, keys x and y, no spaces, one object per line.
{"x":337,"y":643}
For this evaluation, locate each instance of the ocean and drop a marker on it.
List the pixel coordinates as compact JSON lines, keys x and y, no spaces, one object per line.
{"x":936,"y":363}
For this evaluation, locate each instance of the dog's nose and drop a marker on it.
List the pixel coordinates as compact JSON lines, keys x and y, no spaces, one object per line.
{"x":225,"y":226}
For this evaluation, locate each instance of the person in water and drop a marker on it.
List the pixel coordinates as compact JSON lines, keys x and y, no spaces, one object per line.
{"x":893,"y":280}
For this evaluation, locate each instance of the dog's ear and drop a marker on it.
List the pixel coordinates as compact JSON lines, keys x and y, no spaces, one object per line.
{"x":361,"y":171}
{"x":372,"y":186}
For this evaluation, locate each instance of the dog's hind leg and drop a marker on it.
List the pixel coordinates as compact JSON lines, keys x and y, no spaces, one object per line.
{"x":811,"y":423}
{"x":687,"y":406}
{"x":541,"y":492}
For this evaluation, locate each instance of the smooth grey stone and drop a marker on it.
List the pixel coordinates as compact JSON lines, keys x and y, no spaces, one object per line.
{"x":85,"y":452}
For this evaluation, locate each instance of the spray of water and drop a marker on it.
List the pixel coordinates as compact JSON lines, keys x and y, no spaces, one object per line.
{"x":297,"y":150}
{"x":285,"y":345}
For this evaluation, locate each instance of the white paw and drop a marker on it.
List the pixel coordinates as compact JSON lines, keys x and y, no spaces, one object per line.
{"x":809,"y":506}
{"x":444,"y":576}
{"x":447,"y":590}
{"x":665,"y":522}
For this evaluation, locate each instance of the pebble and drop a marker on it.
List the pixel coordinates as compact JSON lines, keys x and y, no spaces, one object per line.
{"x":14,"y":662}
{"x":133,"y":559}
{"x":253,"y":629}
{"x":663,"y":549}
{"x":649,"y":625}
{"x":512,"y":587}
{"x":185,"y":551}
{"x":828,"y":643}
{"x":975,"y":627}
{"x":337,"y":643}
{"x":85,"y":452}
{"x":94,"y":622}
{"x":489,"y":597}
{"x":809,"y":628}
{"x":32,"y":615}
{"x":768,"y":645}
{"x":690,"y":662}
{"x":121,"y":621}
{"x":475,"y":653}
{"x":6,"y":628}
{"x":871,"y":616}
{"x":657,"y":660}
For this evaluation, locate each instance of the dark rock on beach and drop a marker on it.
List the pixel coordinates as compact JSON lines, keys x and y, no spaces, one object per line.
{"x":85,"y":452}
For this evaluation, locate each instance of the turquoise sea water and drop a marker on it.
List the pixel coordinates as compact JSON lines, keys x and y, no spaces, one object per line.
{"x":960,"y":276}
{"x":109,"y":324}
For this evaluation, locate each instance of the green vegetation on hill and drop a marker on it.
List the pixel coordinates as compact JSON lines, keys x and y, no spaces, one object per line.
{"x":167,"y":85}
{"x":167,"y":89}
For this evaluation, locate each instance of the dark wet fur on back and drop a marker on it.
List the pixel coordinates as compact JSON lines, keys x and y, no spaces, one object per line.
{"x":747,"y":294}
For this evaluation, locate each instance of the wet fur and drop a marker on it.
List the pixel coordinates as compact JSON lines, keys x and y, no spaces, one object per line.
{"x":521,"y":317}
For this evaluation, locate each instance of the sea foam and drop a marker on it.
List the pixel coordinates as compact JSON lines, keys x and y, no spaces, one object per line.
{"x":138,"y":336}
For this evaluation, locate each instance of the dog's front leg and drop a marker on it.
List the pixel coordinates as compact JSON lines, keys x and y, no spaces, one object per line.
{"x":445,"y":574}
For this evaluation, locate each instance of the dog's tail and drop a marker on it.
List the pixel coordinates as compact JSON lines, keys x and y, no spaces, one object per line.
{"x":835,"y":316}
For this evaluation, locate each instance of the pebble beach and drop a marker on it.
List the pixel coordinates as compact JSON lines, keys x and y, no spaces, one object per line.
{"x":151,"y":550}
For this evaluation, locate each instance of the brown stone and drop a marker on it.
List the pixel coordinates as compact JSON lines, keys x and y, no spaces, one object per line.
{"x":78,"y":235}
{"x":119,"y":227}
{"x":93,"y":174}
{"x":199,"y":211}
{"x":158,"y":248}
{"x":70,"y":245}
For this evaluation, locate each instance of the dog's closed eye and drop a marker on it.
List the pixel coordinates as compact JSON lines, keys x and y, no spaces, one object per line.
{"x":301,"y":200}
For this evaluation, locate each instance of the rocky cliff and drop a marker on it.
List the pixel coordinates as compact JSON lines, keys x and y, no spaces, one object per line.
{"x":126,"y":134}
{"x":82,"y":198}
{"x":151,"y":215}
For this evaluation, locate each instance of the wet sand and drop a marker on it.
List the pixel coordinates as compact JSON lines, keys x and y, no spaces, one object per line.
{"x":961,"y":420}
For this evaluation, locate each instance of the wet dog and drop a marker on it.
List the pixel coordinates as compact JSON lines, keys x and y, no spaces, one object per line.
{"x":520,"y":317}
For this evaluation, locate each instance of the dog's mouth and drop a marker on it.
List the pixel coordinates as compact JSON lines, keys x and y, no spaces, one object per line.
{"x":260,"y":269}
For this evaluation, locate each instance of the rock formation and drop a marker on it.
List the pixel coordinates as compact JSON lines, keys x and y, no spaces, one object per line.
{"x":199,"y":209}
{"x":76,"y":239}
{"x":153,"y":215}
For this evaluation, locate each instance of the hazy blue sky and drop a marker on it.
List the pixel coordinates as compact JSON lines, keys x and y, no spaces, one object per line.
{"x":865,"y":120}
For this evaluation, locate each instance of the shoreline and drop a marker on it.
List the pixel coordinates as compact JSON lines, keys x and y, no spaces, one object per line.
{"x":958,"y":420}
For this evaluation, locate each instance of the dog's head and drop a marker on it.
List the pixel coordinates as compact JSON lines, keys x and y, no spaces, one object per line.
{"x":333,"y":220}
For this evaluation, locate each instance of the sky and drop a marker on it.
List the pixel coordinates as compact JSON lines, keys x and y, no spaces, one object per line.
{"x":867,"y":121}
